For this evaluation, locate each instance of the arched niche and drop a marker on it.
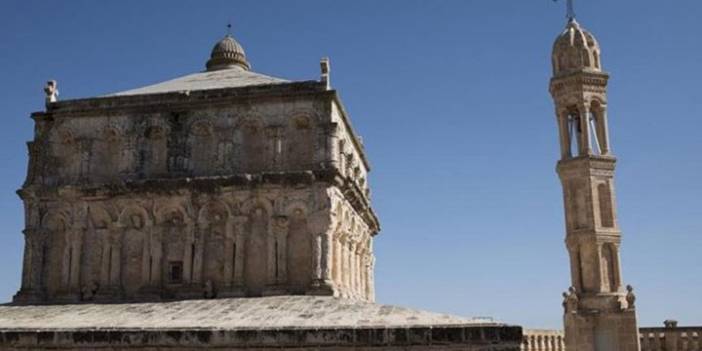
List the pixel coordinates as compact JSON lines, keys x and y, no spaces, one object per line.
{"x":299,"y":245}
{"x":202,"y":143}
{"x":153,"y":151}
{"x":254,"y":144}
{"x":604,"y":196}
{"x":134,"y":249}
{"x":108,"y":150}
{"x":257,"y":239}
{"x":53,"y":250}
{"x":216,"y":235}
{"x":176,"y":244}
{"x":67,"y":244}
{"x":300,"y":140}
{"x":608,"y":267}
{"x":99,"y":247}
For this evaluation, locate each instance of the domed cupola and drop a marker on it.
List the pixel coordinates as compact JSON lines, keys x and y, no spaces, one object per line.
{"x":227,"y":53}
{"x":575,"y":50}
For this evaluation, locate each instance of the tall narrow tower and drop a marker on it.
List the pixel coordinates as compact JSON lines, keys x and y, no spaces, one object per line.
{"x":599,"y":311}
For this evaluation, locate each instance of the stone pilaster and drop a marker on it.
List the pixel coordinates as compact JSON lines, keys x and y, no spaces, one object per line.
{"x":322,"y":226}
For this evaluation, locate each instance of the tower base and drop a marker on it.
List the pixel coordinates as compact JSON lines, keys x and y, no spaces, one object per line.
{"x":601,"y":330}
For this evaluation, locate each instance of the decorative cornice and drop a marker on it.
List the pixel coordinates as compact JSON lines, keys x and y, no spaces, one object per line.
{"x":184,"y":185}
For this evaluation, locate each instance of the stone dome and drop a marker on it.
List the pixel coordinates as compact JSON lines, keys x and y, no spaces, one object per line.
{"x":575,"y":50}
{"x":227,"y":53}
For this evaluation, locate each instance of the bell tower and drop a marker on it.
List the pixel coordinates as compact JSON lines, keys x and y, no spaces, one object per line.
{"x":599,"y":310}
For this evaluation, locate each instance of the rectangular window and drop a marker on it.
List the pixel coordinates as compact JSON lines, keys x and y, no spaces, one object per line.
{"x":175,"y":272}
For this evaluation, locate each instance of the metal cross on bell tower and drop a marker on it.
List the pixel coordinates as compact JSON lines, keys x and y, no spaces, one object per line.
{"x":570,"y":9}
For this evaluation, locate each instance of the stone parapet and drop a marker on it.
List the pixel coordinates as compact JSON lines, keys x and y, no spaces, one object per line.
{"x":494,"y":338}
{"x":670,"y":338}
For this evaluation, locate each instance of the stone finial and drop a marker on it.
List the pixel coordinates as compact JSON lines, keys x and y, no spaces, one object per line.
{"x":51,"y":91}
{"x":325,"y":65}
{"x":570,"y":301}
{"x":630,"y":296}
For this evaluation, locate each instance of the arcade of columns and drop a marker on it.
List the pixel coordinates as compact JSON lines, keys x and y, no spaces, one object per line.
{"x":257,"y":250}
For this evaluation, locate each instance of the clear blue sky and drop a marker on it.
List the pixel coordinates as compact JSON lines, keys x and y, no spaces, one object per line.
{"x":451,"y":100}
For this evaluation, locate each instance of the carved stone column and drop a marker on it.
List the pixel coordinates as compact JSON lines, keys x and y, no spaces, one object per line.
{"x":188,"y":253}
{"x":352,"y":268}
{"x":604,"y":130}
{"x":198,"y":244}
{"x":115,"y":278}
{"x":240,"y":242}
{"x":33,"y":267}
{"x":359,"y":271}
{"x":347,"y":266}
{"x":564,"y":134}
{"x":337,"y":260}
{"x":76,"y":244}
{"x":271,"y":247}
{"x":343,"y":262}
{"x":330,"y":152}
{"x":321,"y":225}
{"x":585,"y":144}
{"x":368,"y":272}
{"x":371,"y":278}
{"x":105,"y":258}
{"x":281,"y":226}
{"x":70,"y":289}
{"x":153,"y":256}
{"x":229,"y":254}
{"x":235,"y":257}
{"x":278,"y":263}
{"x":29,"y":264}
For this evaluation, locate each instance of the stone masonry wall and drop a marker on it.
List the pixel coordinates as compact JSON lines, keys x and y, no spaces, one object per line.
{"x":160,"y":197}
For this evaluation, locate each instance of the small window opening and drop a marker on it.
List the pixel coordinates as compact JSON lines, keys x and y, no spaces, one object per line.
{"x":175,"y":272}
{"x":596,"y":149}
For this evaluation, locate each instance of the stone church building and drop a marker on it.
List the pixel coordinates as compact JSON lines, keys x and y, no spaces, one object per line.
{"x":224,"y":209}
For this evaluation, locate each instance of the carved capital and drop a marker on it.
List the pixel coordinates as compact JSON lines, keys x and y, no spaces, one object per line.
{"x":281,"y":224}
{"x":331,"y":129}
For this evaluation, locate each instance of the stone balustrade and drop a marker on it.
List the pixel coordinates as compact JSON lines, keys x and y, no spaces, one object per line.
{"x":671,"y":338}
{"x":543,"y":340}
{"x":668,"y":338}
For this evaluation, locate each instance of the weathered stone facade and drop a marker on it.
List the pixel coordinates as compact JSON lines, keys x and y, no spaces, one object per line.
{"x":249,"y":190}
{"x":599,"y":313}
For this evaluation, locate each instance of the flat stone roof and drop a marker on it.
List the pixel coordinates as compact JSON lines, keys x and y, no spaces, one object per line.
{"x":226,"y":78}
{"x":261,"y":313}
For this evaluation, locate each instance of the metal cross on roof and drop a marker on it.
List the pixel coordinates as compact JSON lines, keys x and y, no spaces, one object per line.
{"x":570,"y":9}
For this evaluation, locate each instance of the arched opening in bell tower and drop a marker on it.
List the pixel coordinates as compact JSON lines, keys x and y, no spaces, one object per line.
{"x":574,"y":131}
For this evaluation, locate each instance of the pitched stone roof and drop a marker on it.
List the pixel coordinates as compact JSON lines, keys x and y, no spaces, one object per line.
{"x":234,"y":77}
{"x":280,"y":312}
